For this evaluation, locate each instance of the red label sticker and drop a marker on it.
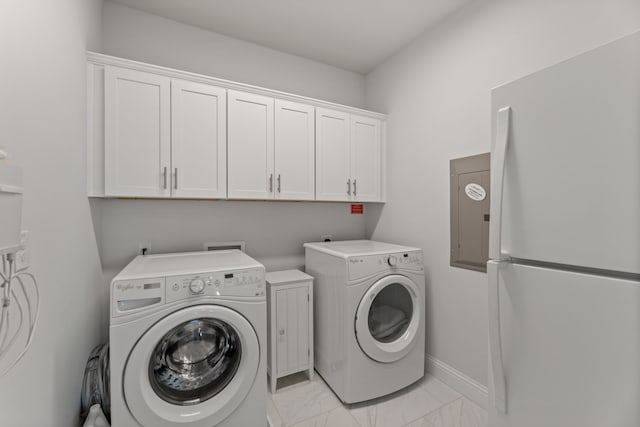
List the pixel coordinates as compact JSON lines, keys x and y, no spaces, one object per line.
{"x":357,"y":209}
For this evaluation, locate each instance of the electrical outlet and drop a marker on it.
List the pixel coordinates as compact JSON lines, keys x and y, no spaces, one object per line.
{"x":326,"y":238}
{"x":22,"y":256}
{"x":144,"y":248}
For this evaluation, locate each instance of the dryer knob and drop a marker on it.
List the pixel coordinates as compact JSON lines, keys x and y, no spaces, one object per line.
{"x":196,"y":286}
{"x":392,"y":261}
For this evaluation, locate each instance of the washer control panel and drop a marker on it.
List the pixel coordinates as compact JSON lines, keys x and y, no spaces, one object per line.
{"x":248,"y":283}
{"x":363,"y":266}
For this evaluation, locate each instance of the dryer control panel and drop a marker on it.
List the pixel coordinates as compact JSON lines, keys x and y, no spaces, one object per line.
{"x":246,"y":283}
{"x":364,"y":266}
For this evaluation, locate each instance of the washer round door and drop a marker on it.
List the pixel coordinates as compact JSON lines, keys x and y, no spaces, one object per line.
{"x":388,"y":318}
{"x":192,"y":368}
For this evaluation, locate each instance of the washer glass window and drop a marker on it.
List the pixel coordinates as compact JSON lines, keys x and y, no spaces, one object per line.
{"x":390,"y":313}
{"x":194,"y":361}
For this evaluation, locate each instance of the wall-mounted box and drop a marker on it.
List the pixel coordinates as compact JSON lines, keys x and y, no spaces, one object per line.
{"x":470,"y":197}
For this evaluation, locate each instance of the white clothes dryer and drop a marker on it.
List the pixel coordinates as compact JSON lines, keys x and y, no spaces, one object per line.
{"x":188,"y":341}
{"x":369,"y":316}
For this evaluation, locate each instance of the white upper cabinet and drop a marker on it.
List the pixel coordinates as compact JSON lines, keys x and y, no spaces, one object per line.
{"x":156,"y":132}
{"x":365,"y":159}
{"x":250,"y":146}
{"x":137,"y":133}
{"x":198,"y":140}
{"x":163,"y":137}
{"x":294,"y":151}
{"x":270,"y":148}
{"x":348,"y":156}
{"x":333,"y":180}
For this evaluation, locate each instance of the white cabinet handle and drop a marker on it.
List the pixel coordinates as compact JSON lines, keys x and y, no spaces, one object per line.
{"x":279,"y":183}
{"x":164,"y":178}
{"x":270,"y":183}
{"x":354,"y":188}
{"x":175,"y":179}
{"x":349,"y":186}
{"x":498,"y":155}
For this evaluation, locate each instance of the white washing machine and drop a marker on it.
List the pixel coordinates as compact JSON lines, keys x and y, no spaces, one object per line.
{"x":188,"y":341}
{"x":369,"y":316}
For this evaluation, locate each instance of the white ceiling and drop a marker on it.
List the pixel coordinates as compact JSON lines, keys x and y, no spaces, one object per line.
{"x":355,"y":35}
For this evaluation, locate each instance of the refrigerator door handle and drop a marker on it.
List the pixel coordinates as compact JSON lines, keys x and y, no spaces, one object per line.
{"x":495,"y":338}
{"x":497,"y":183}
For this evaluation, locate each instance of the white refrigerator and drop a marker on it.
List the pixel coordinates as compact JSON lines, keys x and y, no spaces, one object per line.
{"x":564,"y":269}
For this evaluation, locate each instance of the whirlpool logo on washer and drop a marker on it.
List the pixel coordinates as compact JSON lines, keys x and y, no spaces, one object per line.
{"x":355,"y":260}
{"x":124,"y":286}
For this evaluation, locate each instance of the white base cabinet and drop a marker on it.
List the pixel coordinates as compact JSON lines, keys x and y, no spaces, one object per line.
{"x":290,"y":324}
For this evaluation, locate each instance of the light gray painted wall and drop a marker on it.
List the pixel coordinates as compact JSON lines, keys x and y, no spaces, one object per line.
{"x":273,"y":231}
{"x":437,"y":92}
{"x":42,"y":124}
{"x":133,"y":34}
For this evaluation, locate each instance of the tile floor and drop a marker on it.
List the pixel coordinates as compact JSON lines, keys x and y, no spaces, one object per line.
{"x":427,"y":403}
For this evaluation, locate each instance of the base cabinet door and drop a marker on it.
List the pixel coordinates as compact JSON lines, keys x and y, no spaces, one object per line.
{"x":199,"y":140}
{"x":292,"y":321}
{"x":137,"y":133}
{"x":250,"y":146}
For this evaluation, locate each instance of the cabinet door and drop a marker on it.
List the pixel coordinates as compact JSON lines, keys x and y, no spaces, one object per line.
{"x":333,"y":181}
{"x":137,"y":133}
{"x":198,"y":140}
{"x":365,"y":159}
{"x":250,"y":146}
{"x":294,"y":151}
{"x":292,"y":328}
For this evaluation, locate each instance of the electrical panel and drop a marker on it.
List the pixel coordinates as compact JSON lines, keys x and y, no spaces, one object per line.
{"x":470,"y":195}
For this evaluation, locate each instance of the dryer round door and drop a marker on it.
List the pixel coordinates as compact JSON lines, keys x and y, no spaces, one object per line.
{"x":192,"y":368}
{"x":388,"y":318}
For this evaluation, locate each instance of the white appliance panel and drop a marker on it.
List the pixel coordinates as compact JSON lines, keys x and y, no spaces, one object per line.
{"x":570,"y":349}
{"x":571,"y":175}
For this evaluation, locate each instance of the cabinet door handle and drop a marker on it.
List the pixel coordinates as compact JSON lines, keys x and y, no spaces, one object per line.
{"x":175,"y":180}
{"x":270,"y":183}
{"x":354,"y":188}
{"x":279,"y":187}
{"x":164,"y":178}
{"x":349,"y":186}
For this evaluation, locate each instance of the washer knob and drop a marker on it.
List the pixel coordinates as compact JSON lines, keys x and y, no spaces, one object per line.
{"x":196,"y":286}
{"x":392,"y":261}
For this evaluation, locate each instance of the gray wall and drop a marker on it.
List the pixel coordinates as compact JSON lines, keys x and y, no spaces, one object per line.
{"x":273,"y":231}
{"x":437,"y":92}
{"x":42,"y":124}
{"x":130,"y":33}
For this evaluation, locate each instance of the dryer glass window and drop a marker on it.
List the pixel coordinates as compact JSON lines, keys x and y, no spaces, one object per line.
{"x":195,"y":361}
{"x":390,"y":313}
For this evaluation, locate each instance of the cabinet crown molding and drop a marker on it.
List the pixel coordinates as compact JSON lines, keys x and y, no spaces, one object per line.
{"x":102,"y":59}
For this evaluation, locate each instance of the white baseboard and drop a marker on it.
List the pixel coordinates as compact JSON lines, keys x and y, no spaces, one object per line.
{"x":460,"y":382}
